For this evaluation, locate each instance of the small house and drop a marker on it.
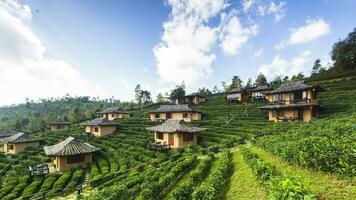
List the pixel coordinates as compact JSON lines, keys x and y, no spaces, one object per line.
{"x":293,"y":101}
{"x":100,"y":127}
{"x":237,"y":95}
{"x":193,"y":98}
{"x":113,"y":113}
{"x":59,"y":126}
{"x":18,"y":143}
{"x":258,"y":93}
{"x":176,"y":112}
{"x":175,"y":134}
{"x":70,"y":153}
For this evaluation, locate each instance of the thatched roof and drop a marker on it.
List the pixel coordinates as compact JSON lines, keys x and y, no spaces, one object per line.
{"x":7,"y":134}
{"x":171,"y":125}
{"x":293,"y":86}
{"x":70,"y":146}
{"x":113,"y":110}
{"x":59,"y":123}
{"x":20,"y":138}
{"x":99,"y":122}
{"x":236,"y":90}
{"x":285,"y":106}
{"x":259,"y":88}
{"x":173,"y":108}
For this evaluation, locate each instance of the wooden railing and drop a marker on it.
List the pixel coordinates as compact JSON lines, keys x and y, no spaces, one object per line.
{"x":293,"y":101}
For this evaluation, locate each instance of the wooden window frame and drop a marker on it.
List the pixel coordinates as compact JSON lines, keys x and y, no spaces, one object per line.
{"x":188,"y":137}
{"x":73,"y":159}
{"x":185,"y":115}
{"x":159,"y":135}
{"x":157,"y":115}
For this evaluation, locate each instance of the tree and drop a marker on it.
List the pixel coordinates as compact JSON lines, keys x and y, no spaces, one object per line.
{"x":215,"y":90}
{"x":146,"y":97}
{"x":236,"y":82}
{"x":224,"y":86}
{"x":316,"y":66}
{"x":249,"y":83}
{"x":260,"y":80}
{"x":344,"y":53}
{"x":178,"y":92}
{"x":276,"y":82}
{"x":143,"y":97}
{"x":160,"y":98}
{"x":299,"y":77}
{"x":204,"y":91}
{"x":138,"y":94}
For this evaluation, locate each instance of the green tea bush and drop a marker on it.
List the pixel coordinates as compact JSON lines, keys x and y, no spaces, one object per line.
{"x":62,"y":181}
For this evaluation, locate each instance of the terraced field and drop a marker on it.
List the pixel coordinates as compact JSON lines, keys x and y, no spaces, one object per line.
{"x":235,"y":158}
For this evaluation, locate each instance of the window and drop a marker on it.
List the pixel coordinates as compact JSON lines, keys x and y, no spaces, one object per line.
{"x":157,"y":115}
{"x":187,"y":137}
{"x":168,"y":115}
{"x":11,"y":147}
{"x":185,"y":115}
{"x":273,"y":113}
{"x":96,"y":129}
{"x":304,"y":96}
{"x":113,"y":115}
{"x":75,"y":159}
{"x":159,"y":136}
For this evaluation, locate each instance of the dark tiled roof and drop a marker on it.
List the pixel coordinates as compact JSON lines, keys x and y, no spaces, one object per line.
{"x":20,"y":138}
{"x":259,"y":88}
{"x":173,"y":108}
{"x":59,"y":123}
{"x":7,"y":134}
{"x":236,"y":90}
{"x":113,"y":110}
{"x":70,"y":146}
{"x":194,"y":94}
{"x":276,"y":107}
{"x":171,"y":125}
{"x":99,"y":122}
{"x":293,"y":86}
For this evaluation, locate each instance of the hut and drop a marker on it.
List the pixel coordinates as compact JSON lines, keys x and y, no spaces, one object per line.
{"x":258,"y":93}
{"x":59,"y":126}
{"x":176,"y":112}
{"x":113,"y":113}
{"x":18,"y":143}
{"x":293,"y":101}
{"x":70,"y":153}
{"x":193,"y":98}
{"x":174,"y":134}
{"x":237,"y":95}
{"x":100,"y":127}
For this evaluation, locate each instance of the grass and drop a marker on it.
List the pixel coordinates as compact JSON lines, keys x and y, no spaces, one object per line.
{"x":328,"y":186}
{"x":243,"y":184}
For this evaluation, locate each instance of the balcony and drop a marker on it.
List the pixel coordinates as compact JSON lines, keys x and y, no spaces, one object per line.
{"x":294,"y":101}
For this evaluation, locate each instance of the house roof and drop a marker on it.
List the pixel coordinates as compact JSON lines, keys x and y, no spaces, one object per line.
{"x":293,"y":86}
{"x":113,"y":110}
{"x":171,"y":125}
{"x":20,"y":138}
{"x":236,"y":90}
{"x":99,"y":122}
{"x":59,"y":123}
{"x":194,"y":94}
{"x":7,"y":134}
{"x":284,"y":106}
{"x":259,"y":88}
{"x":70,"y":146}
{"x":174,"y":108}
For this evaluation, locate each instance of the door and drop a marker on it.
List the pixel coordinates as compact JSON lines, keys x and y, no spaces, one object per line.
{"x":300,"y":114}
{"x":171,"y":139}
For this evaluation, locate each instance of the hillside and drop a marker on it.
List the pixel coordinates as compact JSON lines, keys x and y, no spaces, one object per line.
{"x":220,"y":167}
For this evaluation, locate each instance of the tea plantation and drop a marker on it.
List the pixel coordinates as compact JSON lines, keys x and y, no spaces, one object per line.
{"x":240,"y":156}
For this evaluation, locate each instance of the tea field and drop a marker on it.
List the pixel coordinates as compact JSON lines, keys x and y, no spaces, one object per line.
{"x":240,"y":156}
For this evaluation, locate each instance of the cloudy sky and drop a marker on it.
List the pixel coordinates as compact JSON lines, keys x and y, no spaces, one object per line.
{"x":105,"y":48}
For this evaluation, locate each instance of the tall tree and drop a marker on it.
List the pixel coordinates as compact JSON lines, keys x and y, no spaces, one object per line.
{"x":249,"y":83}
{"x":204,"y":91}
{"x":276,"y":82}
{"x":344,"y":53}
{"x":215,"y":90}
{"x":236,"y":82}
{"x":261,"y":80}
{"x":160,"y":98}
{"x":178,"y":92}
{"x":316,"y":66}
{"x":299,"y":77}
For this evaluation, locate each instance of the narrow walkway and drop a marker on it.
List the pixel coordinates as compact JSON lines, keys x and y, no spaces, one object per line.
{"x":327,"y":185}
{"x":243,"y":184}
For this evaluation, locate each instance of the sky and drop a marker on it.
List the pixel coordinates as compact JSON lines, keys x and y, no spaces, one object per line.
{"x":105,"y":48}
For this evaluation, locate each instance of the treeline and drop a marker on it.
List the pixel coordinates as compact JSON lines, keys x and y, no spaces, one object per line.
{"x":34,"y":115}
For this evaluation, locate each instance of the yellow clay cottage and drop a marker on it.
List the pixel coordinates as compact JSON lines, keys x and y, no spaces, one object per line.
{"x":176,"y":112}
{"x":293,"y":101}
{"x":59,"y":126}
{"x":193,"y":98}
{"x":99,"y":127}
{"x":174,"y":134}
{"x":70,"y":153}
{"x":237,"y":95}
{"x":113,"y":113}
{"x":18,"y":143}
{"x":258,"y":93}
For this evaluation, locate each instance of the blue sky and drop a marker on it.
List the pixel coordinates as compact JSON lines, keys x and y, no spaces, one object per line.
{"x":105,"y":48}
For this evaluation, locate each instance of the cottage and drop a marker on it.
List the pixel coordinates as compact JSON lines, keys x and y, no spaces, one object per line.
{"x":293,"y":101}
{"x":175,"y":134}
{"x":176,"y":112}
{"x":70,"y":153}
{"x":18,"y":143}
{"x":59,"y":126}
{"x":113,"y":113}
{"x":193,"y":98}
{"x":100,"y":127}
{"x":237,"y":95}
{"x":258,"y":93}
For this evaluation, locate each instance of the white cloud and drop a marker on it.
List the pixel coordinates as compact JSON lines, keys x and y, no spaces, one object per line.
{"x":145,"y":69}
{"x":25,"y":71}
{"x":279,"y":11}
{"x":124,"y":83}
{"x":262,"y":8}
{"x":313,"y":30}
{"x":258,"y":52}
{"x":188,"y":39}
{"x":280,"y":66}
{"x":247,"y":5}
